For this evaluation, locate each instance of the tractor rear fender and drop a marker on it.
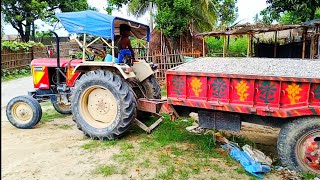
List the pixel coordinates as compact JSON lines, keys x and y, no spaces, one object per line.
{"x":142,"y":70}
{"x":90,"y":66}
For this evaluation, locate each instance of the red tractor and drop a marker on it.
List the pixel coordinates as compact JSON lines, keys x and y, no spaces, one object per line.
{"x":101,"y":95}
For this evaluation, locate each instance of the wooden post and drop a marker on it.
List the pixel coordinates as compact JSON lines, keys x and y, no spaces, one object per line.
{"x":312,"y":47}
{"x":228,"y":45}
{"x":203,"y":48}
{"x":224,"y":45}
{"x":249,"y":45}
{"x":304,"y":43}
{"x":275,"y":44}
{"x":161,"y":42}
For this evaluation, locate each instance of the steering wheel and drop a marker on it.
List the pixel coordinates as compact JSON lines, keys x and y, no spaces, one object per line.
{"x":91,"y":53}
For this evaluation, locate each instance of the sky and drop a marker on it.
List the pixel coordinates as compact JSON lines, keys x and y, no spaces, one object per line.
{"x":247,"y":9}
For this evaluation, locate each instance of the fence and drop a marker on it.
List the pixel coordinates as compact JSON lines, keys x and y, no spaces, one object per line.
{"x":11,"y":60}
{"x":168,"y":60}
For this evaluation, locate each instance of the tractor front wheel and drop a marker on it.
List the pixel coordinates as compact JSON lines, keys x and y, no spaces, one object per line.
{"x":103,"y":105}
{"x":61,"y":107}
{"x":24,"y":112}
{"x":299,"y":144}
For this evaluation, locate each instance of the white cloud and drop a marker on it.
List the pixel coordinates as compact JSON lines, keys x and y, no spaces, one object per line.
{"x":247,"y":9}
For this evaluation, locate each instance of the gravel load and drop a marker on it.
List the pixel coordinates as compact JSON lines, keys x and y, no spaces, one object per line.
{"x":254,"y":66}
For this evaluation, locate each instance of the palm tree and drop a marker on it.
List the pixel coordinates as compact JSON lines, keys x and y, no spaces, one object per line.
{"x":139,"y":7}
{"x":205,"y":13}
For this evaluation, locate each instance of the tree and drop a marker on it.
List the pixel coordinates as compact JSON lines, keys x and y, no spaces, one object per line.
{"x":290,"y":18}
{"x":22,"y":14}
{"x":305,"y":10}
{"x":174,"y":16}
{"x":228,"y":12}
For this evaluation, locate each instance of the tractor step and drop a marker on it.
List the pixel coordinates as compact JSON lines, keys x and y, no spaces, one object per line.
{"x":150,"y":128}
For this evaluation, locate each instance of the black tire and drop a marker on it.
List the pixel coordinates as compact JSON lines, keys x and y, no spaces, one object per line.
{"x":291,"y":137}
{"x":61,"y":108}
{"x":121,"y":92}
{"x":152,"y":90}
{"x":152,"y":87}
{"x":24,"y":105}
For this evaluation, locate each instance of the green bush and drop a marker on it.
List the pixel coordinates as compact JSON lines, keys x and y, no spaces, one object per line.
{"x":16,"y":73}
{"x":16,"y":46}
{"x":237,"y":46}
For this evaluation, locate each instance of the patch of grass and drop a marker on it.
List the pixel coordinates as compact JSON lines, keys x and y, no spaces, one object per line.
{"x":164,"y":159}
{"x":217,"y":168}
{"x":168,"y":174}
{"x":94,"y":144}
{"x":146,"y":163}
{"x":163,"y":91}
{"x":15,"y":74}
{"x":65,"y":126}
{"x":240,"y":170}
{"x":178,"y":152}
{"x":50,"y":115}
{"x":124,"y":156}
{"x":125,"y":145}
{"x":107,"y":170}
{"x":308,"y":175}
{"x":174,"y":132}
{"x":184,"y":174}
{"x":253,"y":178}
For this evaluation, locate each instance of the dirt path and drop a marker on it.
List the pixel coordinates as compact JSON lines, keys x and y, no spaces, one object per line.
{"x":48,"y":152}
{"x":53,"y":151}
{"x":13,"y":88}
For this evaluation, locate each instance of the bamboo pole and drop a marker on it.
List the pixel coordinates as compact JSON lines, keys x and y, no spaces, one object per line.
{"x":275,"y":44}
{"x":312,"y":47}
{"x":304,"y":42}
{"x":203,"y":49}
{"x":84,"y":47}
{"x":249,"y":45}
{"x":224,"y":46}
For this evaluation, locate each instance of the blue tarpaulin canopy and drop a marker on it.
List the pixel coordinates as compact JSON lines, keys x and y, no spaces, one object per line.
{"x":100,"y":24}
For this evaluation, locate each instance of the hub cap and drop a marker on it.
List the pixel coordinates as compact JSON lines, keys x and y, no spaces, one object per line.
{"x":22,"y":112}
{"x":308,"y":151}
{"x":98,"y":106}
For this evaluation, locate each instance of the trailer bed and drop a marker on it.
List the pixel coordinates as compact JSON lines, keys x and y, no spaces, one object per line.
{"x":267,"y":87}
{"x":254,"y":66}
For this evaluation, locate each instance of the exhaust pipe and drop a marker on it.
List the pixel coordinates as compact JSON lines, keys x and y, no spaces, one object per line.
{"x":58,"y":56}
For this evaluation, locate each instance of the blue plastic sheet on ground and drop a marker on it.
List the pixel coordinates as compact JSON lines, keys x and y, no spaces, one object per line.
{"x":253,"y":167}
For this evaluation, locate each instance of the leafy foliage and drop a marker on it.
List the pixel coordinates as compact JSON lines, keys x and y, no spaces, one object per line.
{"x":290,"y":12}
{"x":168,"y":13}
{"x":16,"y":46}
{"x":41,"y":34}
{"x":17,"y":73}
{"x":175,"y":16}
{"x":22,"y":14}
{"x":237,"y":47}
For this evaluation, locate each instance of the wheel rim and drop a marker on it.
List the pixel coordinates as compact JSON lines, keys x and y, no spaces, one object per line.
{"x":22,"y":112}
{"x":63,"y":107}
{"x":308,"y":151}
{"x":98,"y":106}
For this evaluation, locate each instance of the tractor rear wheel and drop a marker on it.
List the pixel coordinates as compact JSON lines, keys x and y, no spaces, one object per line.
{"x":152,"y":90}
{"x":24,"y":112}
{"x":152,"y":87}
{"x":299,"y":144}
{"x":103,"y":105}
{"x":61,"y":107}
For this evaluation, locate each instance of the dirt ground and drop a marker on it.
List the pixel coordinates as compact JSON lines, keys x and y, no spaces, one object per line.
{"x":53,"y":151}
